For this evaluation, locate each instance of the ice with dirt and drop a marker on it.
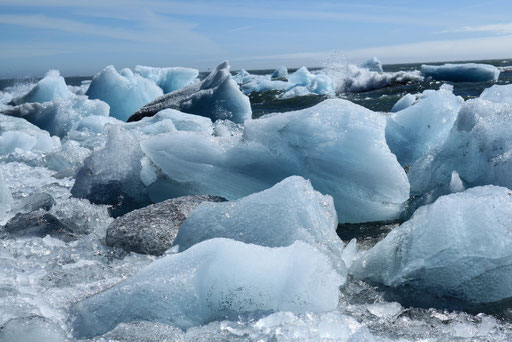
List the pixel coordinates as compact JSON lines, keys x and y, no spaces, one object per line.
{"x":124,"y":91}
{"x":478,"y":147}
{"x":466,"y":72}
{"x":420,"y":128}
{"x":216,"y":279}
{"x":289,"y":211}
{"x":169,"y":79}
{"x":459,"y":248}
{"x":51,"y":87}
{"x":350,"y":160}
{"x":217,"y":97}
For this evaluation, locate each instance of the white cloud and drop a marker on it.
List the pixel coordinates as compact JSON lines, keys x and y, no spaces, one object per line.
{"x":504,"y":28}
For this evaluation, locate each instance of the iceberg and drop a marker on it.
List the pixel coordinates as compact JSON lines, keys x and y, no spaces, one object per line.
{"x":419,"y":129}
{"x":59,"y":115}
{"x":289,"y":211}
{"x":169,"y":79}
{"x":217,"y":97}
{"x":405,"y":102}
{"x":350,"y":161}
{"x":498,"y":93}
{"x":281,"y":72}
{"x":124,"y":91}
{"x":51,"y":87}
{"x":478,"y":147}
{"x":467,"y":72}
{"x":213,"y":280}
{"x":456,"y":252}
{"x":373,"y":64}
{"x":319,"y":83}
{"x":18,"y":135}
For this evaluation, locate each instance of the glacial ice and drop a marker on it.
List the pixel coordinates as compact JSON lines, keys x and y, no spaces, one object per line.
{"x":289,"y":211}
{"x":217,"y":97}
{"x":416,"y":130}
{"x":498,"y":93}
{"x":373,"y":64}
{"x":281,"y":72}
{"x":49,"y":88}
{"x":405,"y":102}
{"x":216,"y":279}
{"x":458,"y":248}
{"x":318,"y":83}
{"x":478,"y":147}
{"x":169,"y":79}
{"x":350,"y":160}
{"x":59,"y":115}
{"x":18,"y":135}
{"x":124,"y":91}
{"x":467,"y":72}
{"x":5,"y":198}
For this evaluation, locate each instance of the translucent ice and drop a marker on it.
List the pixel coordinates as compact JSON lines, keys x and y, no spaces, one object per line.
{"x":350,"y":160}
{"x":319,"y":83}
{"x":213,"y":280}
{"x":124,"y":91}
{"x":405,"y":102}
{"x":51,"y":87}
{"x":59,"y":115}
{"x":169,"y":79}
{"x":498,"y":93}
{"x":289,"y":211}
{"x":458,"y":248}
{"x":281,"y":72}
{"x":216,"y":97}
{"x":467,"y":72}
{"x":373,"y":64}
{"x":415,"y":131}
{"x":479,"y":148}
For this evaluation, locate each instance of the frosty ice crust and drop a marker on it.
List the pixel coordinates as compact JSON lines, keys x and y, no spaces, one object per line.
{"x":453,"y":253}
{"x":216,"y":279}
{"x":467,"y":72}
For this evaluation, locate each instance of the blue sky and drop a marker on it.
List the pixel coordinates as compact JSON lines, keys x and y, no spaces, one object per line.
{"x":82,"y":37}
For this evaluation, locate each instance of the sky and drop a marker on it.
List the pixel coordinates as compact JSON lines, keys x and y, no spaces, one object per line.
{"x":82,"y":37}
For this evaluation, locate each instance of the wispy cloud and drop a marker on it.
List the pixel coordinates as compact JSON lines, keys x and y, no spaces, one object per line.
{"x":504,"y":28}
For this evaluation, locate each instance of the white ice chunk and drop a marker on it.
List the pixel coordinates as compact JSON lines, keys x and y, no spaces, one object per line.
{"x":217,"y":97}
{"x":415,"y":131}
{"x":289,"y":211}
{"x":169,"y":79}
{"x":456,"y":184}
{"x":479,"y":148}
{"x":5,"y":198}
{"x":467,"y":72}
{"x":459,"y":247}
{"x":319,"y":83}
{"x":51,"y":87}
{"x":216,"y":279}
{"x":281,"y":72}
{"x":498,"y":93}
{"x":59,"y":115}
{"x":349,"y":160}
{"x":124,"y":91}
{"x":373,"y":64}
{"x":405,"y":102}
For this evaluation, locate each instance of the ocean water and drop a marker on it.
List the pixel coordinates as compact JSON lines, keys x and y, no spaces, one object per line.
{"x":41,"y":278}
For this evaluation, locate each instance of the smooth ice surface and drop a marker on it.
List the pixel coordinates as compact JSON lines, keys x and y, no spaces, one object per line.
{"x":51,"y":87}
{"x":415,"y":131}
{"x":478,"y":147}
{"x":498,"y":93}
{"x":216,"y":279}
{"x":373,"y":64}
{"x":406,"y":101}
{"x":19,"y":136}
{"x":217,"y":97}
{"x":59,"y":115}
{"x":124,"y":91}
{"x":289,"y":211}
{"x":467,"y":72}
{"x":459,"y":247}
{"x":349,"y":160}
{"x":169,"y":79}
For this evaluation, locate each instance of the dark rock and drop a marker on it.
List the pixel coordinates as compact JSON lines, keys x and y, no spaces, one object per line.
{"x":37,"y":201}
{"x":152,"y":229}
{"x":39,"y":224}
